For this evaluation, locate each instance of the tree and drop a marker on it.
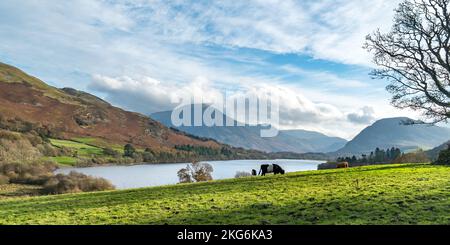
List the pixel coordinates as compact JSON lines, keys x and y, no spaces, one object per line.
{"x":110,"y":152}
{"x":128,"y":150}
{"x":378,"y":155}
{"x":364,"y":158}
{"x":444,"y":157}
{"x":389,"y":154}
{"x":371,"y":157}
{"x":415,"y":57}
{"x":418,"y":156}
{"x":196,"y":171}
{"x":395,"y":152}
{"x":184,"y":175}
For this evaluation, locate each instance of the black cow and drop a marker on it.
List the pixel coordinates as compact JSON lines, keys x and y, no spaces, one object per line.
{"x":254,"y":172}
{"x":270,"y":168}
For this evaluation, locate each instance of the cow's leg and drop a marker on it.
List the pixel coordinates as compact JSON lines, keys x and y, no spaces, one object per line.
{"x":263,"y":169}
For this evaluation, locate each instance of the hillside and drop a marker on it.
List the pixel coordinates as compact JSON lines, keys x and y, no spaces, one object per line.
{"x":387,"y":194}
{"x":73,"y":113}
{"x":393,"y":132}
{"x":248,"y":136}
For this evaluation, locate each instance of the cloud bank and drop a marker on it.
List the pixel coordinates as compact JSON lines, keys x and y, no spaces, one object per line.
{"x":141,"y":54}
{"x":148,"y":95}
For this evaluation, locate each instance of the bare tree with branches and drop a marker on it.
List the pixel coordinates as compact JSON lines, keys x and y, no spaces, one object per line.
{"x":415,"y":57}
{"x":195,"y":172}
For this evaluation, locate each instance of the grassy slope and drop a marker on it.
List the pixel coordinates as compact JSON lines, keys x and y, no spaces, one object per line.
{"x":389,"y":194}
{"x":99,"y":143}
{"x":84,"y":149}
{"x":18,"y":190}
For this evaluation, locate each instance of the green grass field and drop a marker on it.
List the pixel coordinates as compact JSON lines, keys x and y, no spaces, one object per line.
{"x":83,"y":149}
{"x":64,"y":160}
{"x":99,"y":143}
{"x":384,"y":194}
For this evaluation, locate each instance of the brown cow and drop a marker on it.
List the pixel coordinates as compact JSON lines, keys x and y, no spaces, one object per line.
{"x":342,"y":165}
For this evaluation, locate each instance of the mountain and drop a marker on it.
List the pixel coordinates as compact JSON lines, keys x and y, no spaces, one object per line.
{"x":396,"y":132}
{"x":248,"y":136}
{"x":318,"y":141}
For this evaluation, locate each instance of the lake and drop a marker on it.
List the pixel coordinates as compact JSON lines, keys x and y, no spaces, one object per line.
{"x":145,"y":175}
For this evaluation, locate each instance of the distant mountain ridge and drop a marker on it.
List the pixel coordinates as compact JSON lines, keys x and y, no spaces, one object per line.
{"x":393,"y":132}
{"x":248,"y":136}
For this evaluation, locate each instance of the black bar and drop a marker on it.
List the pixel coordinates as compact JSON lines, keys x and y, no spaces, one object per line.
{"x":134,"y":233}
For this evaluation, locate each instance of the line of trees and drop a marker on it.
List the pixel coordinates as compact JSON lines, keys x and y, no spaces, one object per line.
{"x":378,"y":156}
{"x":181,"y":153}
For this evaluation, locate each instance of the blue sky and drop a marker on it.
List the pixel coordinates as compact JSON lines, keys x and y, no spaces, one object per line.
{"x":141,"y":54}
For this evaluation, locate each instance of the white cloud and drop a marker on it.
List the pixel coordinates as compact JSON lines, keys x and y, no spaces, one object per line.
{"x":364,"y":115}
{"x":325,"y":78}
{"x":333,"y":30}
{"x":148,"y":95}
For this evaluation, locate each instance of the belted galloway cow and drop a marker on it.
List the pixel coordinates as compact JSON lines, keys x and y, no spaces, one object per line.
{"x":270,"y":168}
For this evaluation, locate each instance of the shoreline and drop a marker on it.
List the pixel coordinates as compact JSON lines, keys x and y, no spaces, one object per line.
{"x":62,"y":166}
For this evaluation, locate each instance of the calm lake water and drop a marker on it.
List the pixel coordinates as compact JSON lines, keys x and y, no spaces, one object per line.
{"x":135,"y":176}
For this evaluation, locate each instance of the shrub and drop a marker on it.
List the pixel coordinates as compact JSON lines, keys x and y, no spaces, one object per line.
{"x":47,"y":149}
{"x":327,"y":165}
{"x":137,"y":157}
{"x":3,"y":179}
{"x":110,"y":152}
{"x":196,"y":171}
{"x":128,"y":150}
{"x":148,"y":156}
{"x":31,"y":173}
{"x":99,"y":161}
{"x":444,"y":157}
{"x":90,"y":162}
{"x":84,"y":162}
{"x":241,"y":174}
{"x":122,"y":160}
{"x":66,"y":151}
{"x":18,"y":151}
{"x":8,"y":135}
{"x":412,"y":157}
{"x":184,"y":176}
{"x":34,"y":139}
{"x":75,"y":182}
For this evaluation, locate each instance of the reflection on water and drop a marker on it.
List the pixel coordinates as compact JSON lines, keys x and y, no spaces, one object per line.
{"x":163,"y":174}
